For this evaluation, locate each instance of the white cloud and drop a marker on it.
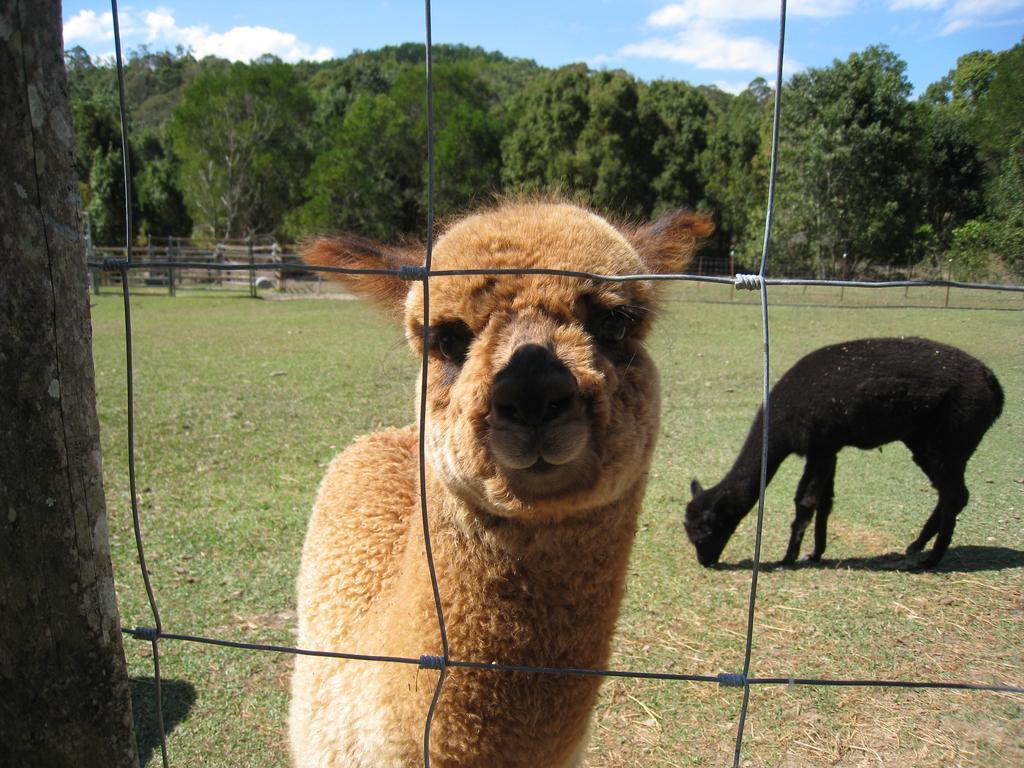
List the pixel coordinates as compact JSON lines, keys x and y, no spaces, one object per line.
{"x":978,"y":13}
{"x":89,"y":26}
{"x":247,"y":43}
{"x":705,"y":46}
{"x":963,"y":14}
{"x":690,"y":11}
{"x":160,"y":28}
{"x":917,"y":5}
{"x":159,"y":23}
{"x":698,"y":33}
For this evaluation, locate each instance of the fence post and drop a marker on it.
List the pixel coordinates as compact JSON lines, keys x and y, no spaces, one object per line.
{"x":278,"y":257}
{"x":732,"y":272}
{"x":846,"y":272}
{"x":949,"y":279}
{"x":95,"y":275}
{"x":171,"y":288}
{"x":252,"y":270}
{"x":65,"y":700}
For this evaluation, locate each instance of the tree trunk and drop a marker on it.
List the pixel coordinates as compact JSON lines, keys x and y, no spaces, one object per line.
{"x":64,"y":696}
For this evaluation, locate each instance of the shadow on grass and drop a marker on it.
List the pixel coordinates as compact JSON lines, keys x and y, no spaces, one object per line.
{"x":178,"y":698}
{"x":969,"y":558}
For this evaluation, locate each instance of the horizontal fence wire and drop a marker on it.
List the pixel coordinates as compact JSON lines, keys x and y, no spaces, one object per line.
{"x":751,"y":282}
{"x":425,"y":274}
{"x":724,"y":679}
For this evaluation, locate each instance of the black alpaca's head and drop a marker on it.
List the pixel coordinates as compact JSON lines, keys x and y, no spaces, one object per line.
{"x":710,"y":521}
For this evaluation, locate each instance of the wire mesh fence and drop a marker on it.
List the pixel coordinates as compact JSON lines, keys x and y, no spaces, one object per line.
{"x":168,"y":265}
{"x":173,"y":264}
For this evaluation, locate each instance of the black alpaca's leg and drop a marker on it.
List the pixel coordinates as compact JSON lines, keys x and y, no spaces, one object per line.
{"x":825,"y":490}
{"x":931,"y":465}
{"x":931,"y":525}
{"x":953,"y":496}
{"x":796,"y":534}
{"x":817,"y":477}
{"x":947,"y":477}
{"x":804,"y":512}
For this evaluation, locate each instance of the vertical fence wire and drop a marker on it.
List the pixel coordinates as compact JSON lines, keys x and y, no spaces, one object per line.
{"x":425,"y":281}
{"x":125,"y":152}
{"x":153,"y":637}
{"x":765,"y":386}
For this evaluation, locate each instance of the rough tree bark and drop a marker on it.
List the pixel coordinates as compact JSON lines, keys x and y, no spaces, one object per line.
{"x":64,"y":696}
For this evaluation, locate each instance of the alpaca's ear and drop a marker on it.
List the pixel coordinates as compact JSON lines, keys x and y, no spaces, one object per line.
{"x":354,"y":252}
{"x":696,"y":488}
{"x":668,"y":243}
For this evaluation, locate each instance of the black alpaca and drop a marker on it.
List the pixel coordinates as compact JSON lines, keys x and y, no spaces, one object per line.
{"x":937,"y":399}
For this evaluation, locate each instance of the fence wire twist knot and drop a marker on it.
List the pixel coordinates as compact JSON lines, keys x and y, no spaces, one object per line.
{"x":748,"y":282}
{"x":413,"y":272}
{"x":433,"y":662}
{"x":144,"y":633}
{"x":732,"y":679}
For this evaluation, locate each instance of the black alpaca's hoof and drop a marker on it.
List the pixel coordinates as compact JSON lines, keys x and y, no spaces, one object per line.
{"x":919,"y":563}
{"x":812,"y":557}
{"x":928,"y":563}
{"x":913,"y":549}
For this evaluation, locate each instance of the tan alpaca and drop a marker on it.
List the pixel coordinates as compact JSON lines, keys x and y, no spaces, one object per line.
{"x":542,"y":413}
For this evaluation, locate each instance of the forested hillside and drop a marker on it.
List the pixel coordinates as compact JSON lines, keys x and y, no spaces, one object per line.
{"x":869,"y":178}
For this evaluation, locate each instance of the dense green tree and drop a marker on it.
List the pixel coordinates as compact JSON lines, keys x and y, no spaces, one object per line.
{"x":735,"y":166}
{"x":367,"y":179}
{"x":335,"y":84}
{"x":846,"y":168}
{"x":999,"y":128}
{"x":582,"y":132}
{"x":614,"y":160}
{"x":372,"y":178}
{"x":105,"y":204}
{"x":161,"y":204}
{"x":154,"y":83}
{"x":93,"y":101}
{"x":547,"y":119}
{"x":950,"y":177}
{"x":241,"y":135}
{"x":987,"y":247}
{"x":678,"y":116}
{"x":227,"y":148}
{"x":1007,"y":208}
{"x":94,"y":112}
{"x":986,"y":94}
{"x":999,"y":108}
{"x":971,"y":78}
{"x":467,"y":151}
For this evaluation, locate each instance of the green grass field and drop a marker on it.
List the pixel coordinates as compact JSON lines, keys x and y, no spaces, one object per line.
{"x":240,"y":404}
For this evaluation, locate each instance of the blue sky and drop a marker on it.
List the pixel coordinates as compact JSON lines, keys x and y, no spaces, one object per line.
{"x":721,"y":42}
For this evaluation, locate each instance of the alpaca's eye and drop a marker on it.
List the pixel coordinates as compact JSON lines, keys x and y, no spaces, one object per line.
{"x":611,"y":327}
{"x":452,"y":340}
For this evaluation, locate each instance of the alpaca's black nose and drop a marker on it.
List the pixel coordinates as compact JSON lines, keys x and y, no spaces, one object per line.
{"x":533,"y":388}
